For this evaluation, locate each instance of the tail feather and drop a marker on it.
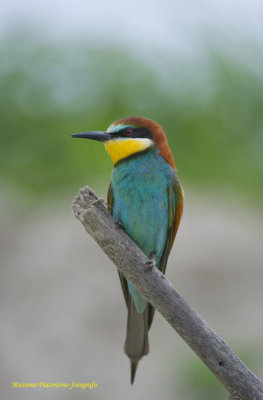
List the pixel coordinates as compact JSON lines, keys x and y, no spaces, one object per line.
{"x":134,"y":365}
{"x":136,"y":344}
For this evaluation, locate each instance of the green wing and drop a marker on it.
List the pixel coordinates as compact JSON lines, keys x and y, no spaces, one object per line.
{"x":175,"y":194}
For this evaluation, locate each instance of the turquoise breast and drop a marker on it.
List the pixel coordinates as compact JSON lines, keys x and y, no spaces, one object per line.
{"x":141,"y":185}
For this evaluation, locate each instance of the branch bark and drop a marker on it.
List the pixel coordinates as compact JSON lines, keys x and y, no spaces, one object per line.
{"x":240,"y":382}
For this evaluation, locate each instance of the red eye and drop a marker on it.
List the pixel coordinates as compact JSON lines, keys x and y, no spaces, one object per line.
{"x":128,"y":131}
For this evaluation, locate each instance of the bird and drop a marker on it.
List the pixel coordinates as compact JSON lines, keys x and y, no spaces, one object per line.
{"x":145,"y":197}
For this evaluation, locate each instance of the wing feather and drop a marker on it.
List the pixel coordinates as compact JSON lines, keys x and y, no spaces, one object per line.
{"x":175,"y":204}
{"x":175,"y":210}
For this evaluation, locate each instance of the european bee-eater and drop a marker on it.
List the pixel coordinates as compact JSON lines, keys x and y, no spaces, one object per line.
{"x":146,"y":198}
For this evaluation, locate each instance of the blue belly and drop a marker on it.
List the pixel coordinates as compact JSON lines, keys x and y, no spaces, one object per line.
{"x":140,"y":186}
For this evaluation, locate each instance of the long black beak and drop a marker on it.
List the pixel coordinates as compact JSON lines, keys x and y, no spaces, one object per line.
{"x":95,"y":135}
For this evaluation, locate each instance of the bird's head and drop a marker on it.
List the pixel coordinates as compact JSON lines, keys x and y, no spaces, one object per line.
{"x":129,"y":136}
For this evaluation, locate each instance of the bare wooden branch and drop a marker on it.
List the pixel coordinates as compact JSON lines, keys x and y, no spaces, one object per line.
{"x":240,"y":382}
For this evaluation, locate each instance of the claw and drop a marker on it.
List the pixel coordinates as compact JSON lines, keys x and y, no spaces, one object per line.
{"x":119,"y":224}
{"x":148,"y":266}
{"x":150,"y":263}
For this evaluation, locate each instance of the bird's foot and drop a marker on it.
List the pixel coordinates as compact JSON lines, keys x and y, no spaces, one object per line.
{"x":150,"y":263}
{"x":119,"y":224}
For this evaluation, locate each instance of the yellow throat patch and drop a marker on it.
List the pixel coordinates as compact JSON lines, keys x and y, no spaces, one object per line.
{"x":122,"y":148}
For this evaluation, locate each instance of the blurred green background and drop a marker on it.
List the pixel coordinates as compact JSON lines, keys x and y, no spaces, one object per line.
{"x":209,"y":100}
{"x":48,"y":90}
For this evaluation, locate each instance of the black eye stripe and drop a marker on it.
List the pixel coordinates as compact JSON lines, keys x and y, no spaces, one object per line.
{"x":142,"y":133}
